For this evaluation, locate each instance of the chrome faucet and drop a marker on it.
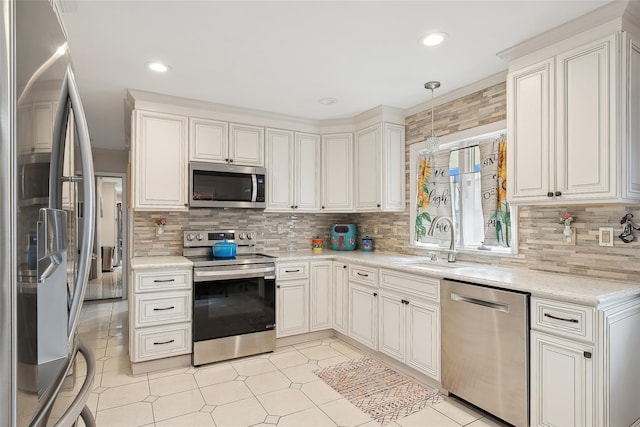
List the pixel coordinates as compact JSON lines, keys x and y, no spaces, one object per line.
{"x":451,"y":257}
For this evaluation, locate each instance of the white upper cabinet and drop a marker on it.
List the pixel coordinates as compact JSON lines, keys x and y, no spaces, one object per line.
{"x":566,"y":116}
{"x":159,"y":159}
{"x":208,"y":140}
{"x":380,"y":168}
{"x":337,"y":172}
{"x":246,"y":145}
{"x":293,"y":168}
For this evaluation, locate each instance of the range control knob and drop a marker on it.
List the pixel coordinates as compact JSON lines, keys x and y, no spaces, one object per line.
{"x":242,"y":236}
{"x":190,"y":237}
{"x":200,"y":236}
{"x":250,"y":236}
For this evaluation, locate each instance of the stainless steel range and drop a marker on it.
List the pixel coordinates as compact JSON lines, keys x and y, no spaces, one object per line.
{"x":234,"y":299}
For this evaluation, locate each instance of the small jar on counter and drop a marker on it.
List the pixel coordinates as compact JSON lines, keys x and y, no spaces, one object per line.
{"x":316,"y":244}
{"x":367,"y":244}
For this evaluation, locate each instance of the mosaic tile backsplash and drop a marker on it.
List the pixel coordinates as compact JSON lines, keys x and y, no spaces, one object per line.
{"x":540,"y":235}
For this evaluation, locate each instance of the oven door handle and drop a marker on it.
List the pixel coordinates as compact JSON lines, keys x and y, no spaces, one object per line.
{"x":204,"y":275}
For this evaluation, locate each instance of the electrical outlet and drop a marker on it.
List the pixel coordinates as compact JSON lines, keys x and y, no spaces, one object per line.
{"x":605,"y":236}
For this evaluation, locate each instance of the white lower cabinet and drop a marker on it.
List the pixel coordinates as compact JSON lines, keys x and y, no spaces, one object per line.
{"x":562,"y":380}
{"x":363,"y":314}
{"x":320,"y":296}
{"x":584,"y":365}
{"x":409,"y":321}
{"x":292,"y":298}
{"x":160,"y":305}
{"x":341,"y":297}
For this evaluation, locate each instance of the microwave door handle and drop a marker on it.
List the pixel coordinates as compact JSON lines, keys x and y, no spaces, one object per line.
{"x":254,"y":186}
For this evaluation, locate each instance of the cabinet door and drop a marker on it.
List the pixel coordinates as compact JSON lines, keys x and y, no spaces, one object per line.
{"x":208,"y":140}
{"x":321,"y":290}
{"x":363,"y":314}
{"x":562,"y":380}
{"x":292,"y":308}
{"x":280,"y":168}
{"x":368,"y":168}
{"x":246,"y":145}
{"x":337,"y":172}
{"x":25,"y":129}
{"x":307,"y":172}
{"x":423,"y":337}
{"x":392,"y":325}
{"x":393,"y":165}
{"x":340,"y":298}
{"x":42,"y":126}
{"x":586,"y":117}
{"x":159,"y":161}
{"x":530,"y":159}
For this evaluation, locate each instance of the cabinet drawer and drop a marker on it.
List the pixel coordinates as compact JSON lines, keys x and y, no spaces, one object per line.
{"x":424,"y":287}
{"x":157,"y":280}
{"x":562,"y":318}
{"x":362,"y":274}
{"x":297,"y":270}
{"x":159,"y":308}
{"x":161,"y":341}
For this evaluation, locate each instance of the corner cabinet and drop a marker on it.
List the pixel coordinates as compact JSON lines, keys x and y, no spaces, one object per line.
{"x":380,"y":168}
{"x":337,"y":173}
{"x":293,"y":168}
{"x":159,"y":159}
{"x":567,"y":133}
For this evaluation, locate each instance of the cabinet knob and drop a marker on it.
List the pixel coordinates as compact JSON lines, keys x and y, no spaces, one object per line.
{"x":558,"y":193}
{"x":278,"y":286}
{"x":226,"y":160}
{"x":344,"y":266}
{"x":587,"y":355}
{"x":230,"y":160}
{"x":291,"y":206}
{"x":296,"y":207}
{"x":322,"y":207}
{"x":378,"y":204}
{"x":550,"y":194}
{"x":375,"y":294}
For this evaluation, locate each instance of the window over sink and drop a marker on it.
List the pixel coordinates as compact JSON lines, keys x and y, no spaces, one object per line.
{"x":465,"y":180}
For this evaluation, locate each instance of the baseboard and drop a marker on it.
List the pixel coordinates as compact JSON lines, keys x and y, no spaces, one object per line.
{"x":310,"y":336}
{"x":183,"y":361}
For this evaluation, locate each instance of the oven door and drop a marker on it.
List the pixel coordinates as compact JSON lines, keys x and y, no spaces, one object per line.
{"x":231,"y":303}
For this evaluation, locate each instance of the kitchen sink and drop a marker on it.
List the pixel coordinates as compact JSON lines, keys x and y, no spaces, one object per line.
{"x":434,"y":264}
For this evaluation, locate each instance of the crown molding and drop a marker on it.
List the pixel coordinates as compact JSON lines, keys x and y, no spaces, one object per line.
{"x":489,"y":81}
{"x":597,"y":17}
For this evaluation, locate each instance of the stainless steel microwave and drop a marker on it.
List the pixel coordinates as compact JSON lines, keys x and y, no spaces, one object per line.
{"x":214,"y":185}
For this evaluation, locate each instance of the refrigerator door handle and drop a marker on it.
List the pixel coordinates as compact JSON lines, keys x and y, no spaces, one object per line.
{"x":77,"y":407}
{"x":70,"y":98}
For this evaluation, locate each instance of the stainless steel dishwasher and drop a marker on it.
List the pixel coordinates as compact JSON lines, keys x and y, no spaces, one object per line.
{"x":485,"y":348}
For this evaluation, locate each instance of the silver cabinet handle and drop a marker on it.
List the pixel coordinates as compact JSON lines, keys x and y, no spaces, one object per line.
{"x":163,"y":342}
{"x":163,"y":280}
{"x":489,"y":304}
{"x":551,"y":316}
{"x":164,"y":308}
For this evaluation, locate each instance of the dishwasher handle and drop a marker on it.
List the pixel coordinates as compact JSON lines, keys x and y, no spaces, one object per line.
{"x":484,"y":303}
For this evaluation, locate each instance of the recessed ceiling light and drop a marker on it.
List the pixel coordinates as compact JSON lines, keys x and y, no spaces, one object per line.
{"x":327,"y":101}
{"x":158,"y":67}
{"x":432,"y":39}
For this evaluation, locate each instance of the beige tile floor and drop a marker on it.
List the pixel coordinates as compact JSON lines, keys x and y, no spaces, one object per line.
{"x":108,"y":285}
{"x":276,"y":389}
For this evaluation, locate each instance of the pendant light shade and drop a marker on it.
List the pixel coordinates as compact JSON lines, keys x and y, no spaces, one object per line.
{"x":432,"y":143}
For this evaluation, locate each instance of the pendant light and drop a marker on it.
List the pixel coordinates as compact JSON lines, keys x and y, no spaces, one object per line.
{"x":432,"y":143}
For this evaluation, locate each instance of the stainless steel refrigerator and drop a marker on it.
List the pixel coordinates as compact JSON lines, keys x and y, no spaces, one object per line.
{"x":44,"y":255}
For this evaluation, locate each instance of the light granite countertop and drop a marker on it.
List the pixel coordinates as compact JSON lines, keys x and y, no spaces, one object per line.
{"x":564,"y":287}
{"x":159,"y":262}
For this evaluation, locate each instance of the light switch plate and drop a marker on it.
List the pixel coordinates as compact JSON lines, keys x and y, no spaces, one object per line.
{"x":605,"y":236}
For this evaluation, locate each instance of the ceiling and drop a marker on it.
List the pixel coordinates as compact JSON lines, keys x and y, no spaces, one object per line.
{"x":282,"y":56}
